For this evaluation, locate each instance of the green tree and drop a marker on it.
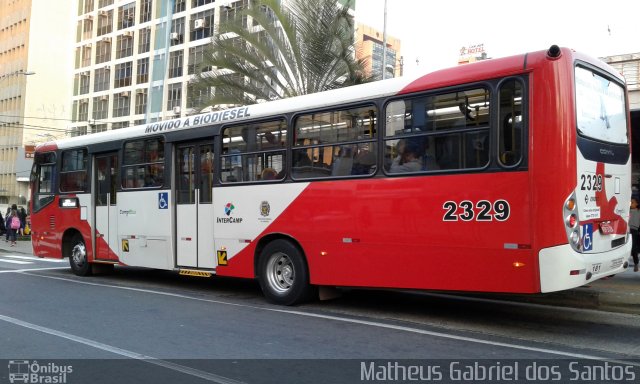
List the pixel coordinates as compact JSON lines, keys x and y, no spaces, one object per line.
{"x":268,"y":51}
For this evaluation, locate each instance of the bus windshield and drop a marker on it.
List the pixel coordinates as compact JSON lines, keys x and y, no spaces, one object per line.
{"x":600,"y":108}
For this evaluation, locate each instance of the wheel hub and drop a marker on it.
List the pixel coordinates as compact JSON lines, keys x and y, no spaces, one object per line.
{"x":79,"y":254}
{"x":280,"y":272}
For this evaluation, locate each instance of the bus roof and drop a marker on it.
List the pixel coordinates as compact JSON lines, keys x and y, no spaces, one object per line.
{"x":358,"y":93}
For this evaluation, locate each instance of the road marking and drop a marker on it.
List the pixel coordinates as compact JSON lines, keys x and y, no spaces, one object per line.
{"x":32,"y":270}
{"x":123,"y":352}
{"x":36,"y":259}
{"x":355,"y":321}
{"x":15,"y":261}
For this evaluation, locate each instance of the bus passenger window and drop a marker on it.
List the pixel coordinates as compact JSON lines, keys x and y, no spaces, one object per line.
{"x":340,"y":142}
{"x":144,"y":163}
{"x":510,"y":129}
{"x":73,"y":175}
{"x":249,"y":151}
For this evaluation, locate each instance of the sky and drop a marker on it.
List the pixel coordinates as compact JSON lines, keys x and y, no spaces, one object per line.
{"x":433,"y":32}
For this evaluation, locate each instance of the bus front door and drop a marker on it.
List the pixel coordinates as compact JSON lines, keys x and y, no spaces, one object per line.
{"x":194,"y":210}
{"x":105,"y":178}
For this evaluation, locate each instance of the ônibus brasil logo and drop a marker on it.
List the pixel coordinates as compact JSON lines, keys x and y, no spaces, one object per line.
{"x":228,"y":210}
{"x":26,"y":371}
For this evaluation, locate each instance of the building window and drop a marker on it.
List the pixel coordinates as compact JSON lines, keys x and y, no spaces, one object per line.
{"x":196,"y":97}
{"x":121,"y":104}
{"x":198,"y":3}
{"x":79,"y":131}
{"x":86,"y":55}
{"x":99,"y":128}
{"x":141,"y":102}
{"x":232,"y":11}
{"x":105,"y":22}
{"x":100,"y":107}
{"x":179,"y":6}
{"x":196,"y":57}
{"x":119,"y":125}
{"x":124,"y":45}
{"x":127,"y":16}
{"x":87,"y":29}
{"x":88,"y":6}
{"x":201,"y":25}
{"x":142,"y":71}
{"x":123,"y":74}
{"x":104,"y":3}
{"x":84,"y":82}
{"x":83,"y":110}
{"x":74,"y":111}
{"x":174,"y":98}
{"x":144,"y":40}
{"x":101,"y":79}
{"x":176,"y":59}
{"x":103,"y":51}
{"x":177,"y":31}
{"x":145,"y":10}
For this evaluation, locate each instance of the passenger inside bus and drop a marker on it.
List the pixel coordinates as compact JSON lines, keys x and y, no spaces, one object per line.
{"x":343,"y":162}
{"x":268,"y":174}
{"x":409,"y":157}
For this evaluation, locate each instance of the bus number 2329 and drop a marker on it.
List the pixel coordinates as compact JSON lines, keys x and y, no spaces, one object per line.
{"x":483,"y":210}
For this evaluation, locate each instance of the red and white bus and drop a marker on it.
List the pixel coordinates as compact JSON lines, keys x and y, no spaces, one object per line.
{"x":506,"y":175}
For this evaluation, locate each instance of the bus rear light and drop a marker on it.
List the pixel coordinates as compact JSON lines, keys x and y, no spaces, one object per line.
{"x":572,"y":222}
{"x":575,"y":237}
{"x":575,"y":272}
{"x":571,"y":204}
{"x":518,"y":264}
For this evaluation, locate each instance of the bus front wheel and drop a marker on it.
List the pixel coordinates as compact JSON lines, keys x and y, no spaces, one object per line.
{"x":78,"y":257}
{"x":283,"y":273}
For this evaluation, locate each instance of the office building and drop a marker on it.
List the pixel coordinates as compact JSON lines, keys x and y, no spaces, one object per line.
{"x":369,"y":43}
{"x":35,"y":68}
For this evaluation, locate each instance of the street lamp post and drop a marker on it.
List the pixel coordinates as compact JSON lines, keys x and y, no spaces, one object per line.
{"x":384,"y":43}
{"x":17,"y":73}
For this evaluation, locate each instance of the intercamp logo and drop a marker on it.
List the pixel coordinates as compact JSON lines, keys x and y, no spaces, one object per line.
{"x":24,"y":371}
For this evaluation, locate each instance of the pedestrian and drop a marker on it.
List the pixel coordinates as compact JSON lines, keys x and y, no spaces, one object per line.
{"x":22,"y":215}
{"x":7,"y":224}
{"x":14,"y":226}
{"x":634,"y":224}
{"x":3,"y":228}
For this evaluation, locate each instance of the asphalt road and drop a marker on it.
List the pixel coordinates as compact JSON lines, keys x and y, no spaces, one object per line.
{"x":139,"y":325}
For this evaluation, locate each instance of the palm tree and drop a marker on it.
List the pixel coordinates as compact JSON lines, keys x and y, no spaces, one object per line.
{"x":278,"y":52}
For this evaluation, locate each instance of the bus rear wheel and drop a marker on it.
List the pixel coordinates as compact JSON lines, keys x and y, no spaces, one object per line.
{"x":78,"y":257}
{"x":283,"y":273}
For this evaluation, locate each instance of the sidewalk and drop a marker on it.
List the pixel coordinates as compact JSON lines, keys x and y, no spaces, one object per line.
{"x":22,"y":246}
{"x":620,"y":293}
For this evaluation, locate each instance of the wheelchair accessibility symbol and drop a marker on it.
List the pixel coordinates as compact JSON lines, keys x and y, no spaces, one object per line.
{"x":587,"y":237}
{"x":163,"y":200}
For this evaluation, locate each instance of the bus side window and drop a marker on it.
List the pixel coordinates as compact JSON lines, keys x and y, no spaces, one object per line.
{"x":511,"y":130}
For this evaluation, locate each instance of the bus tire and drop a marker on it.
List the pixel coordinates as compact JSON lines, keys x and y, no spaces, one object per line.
{"x":283,"y":273}
{"x":78,"y":257}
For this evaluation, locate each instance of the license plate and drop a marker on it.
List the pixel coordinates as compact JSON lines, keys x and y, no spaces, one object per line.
{"x":595,"y":268}
{"x":606,"y":228}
